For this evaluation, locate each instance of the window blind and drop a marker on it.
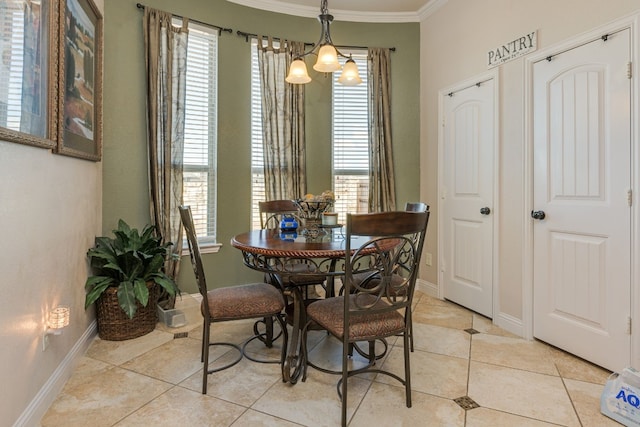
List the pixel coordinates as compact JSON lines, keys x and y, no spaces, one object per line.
{"x":350,"y":135}
{"x":200,"y":130}
{"x":257,"y":157}
{"x":12,"y":46}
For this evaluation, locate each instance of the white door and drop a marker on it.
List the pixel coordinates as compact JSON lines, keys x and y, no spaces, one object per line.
{"x":582,"y":184}
{"x":466,"y":263}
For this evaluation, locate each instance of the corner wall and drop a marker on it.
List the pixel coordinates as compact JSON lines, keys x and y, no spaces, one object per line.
{"x":125,"y":171}
{"x":50,"y":212}
{"x":454,"y":42}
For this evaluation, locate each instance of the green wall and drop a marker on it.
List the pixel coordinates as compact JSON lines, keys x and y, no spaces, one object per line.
{"x":125,"y":182}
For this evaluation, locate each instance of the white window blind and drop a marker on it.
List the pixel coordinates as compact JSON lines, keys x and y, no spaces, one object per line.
{"x":257,"y":158}
{"x":200,"y":139}
{"x":11,"y":71}
{"x":350,"y":117}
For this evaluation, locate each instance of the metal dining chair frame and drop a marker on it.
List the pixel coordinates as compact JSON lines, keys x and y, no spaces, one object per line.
{"x":232,"y":304}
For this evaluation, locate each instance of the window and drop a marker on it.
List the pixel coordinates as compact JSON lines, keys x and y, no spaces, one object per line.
{"x":257,"y":158}
{"x":11,"y":75}
{"x":350,"y":137}
{"x":200,"y":131}
{"x":350,"y":142}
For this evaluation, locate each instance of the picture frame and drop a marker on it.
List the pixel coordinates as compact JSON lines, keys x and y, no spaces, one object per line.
{"x":80,"y":88}
{"x":29,"y":72}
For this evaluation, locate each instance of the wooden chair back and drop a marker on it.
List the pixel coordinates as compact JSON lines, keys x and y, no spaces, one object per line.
{"x":271,"y":212}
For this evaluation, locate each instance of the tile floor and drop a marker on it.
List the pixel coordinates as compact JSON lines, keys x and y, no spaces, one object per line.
{"x":459,"y":357}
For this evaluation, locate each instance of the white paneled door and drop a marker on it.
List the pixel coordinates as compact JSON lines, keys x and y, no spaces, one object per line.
{"x":466,"y":264}
{"x":582,"y":198}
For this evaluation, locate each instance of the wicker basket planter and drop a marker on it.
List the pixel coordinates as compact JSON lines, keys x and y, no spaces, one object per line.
{"x":127,"y":262}
{"x":113,"y":322}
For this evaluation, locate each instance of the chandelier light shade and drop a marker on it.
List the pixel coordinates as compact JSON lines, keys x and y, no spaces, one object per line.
{"x":350,"y":75}
{"x":298,"y":72}
{"x":327,"y":54}
{"x":327,"y":59}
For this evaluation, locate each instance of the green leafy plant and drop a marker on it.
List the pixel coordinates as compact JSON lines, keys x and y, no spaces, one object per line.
{"x":128,"y":261}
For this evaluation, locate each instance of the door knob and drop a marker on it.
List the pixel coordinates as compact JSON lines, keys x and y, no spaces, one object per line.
{"x":485,"y":211}
{"x":538,"y":214}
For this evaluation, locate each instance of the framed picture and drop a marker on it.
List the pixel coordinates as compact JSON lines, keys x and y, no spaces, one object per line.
{"x":80,"y":87}
{"x":28,"y":72}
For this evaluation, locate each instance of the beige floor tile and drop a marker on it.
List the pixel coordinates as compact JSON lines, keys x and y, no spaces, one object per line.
{"x":259,"y":351}
{"x":86,"y":371}
{"x":235,"y":332}
{"x":485,"y":325}
{"x":129,"y":383}
{"x":386,"y":406}
{"x":512,"y":352}
{"x":327,"y":354}
{"x":524,"y":393}
{"x":573,"y":367}
{"x":312,"y":403}
{"x":431,"y":373}
{"x":253,"y":418}
{"x":109,"y":397}
{"x":118,"y":352}
{"x":173,"y":361}
{"x":484,"y":417}
{"x":441,"y":340}
{"x":586,"y":399}
{"x":442,"y":313}
{"x":431,"y":300}
{"x":242,"y":384}
{"x":182,"y":407}
{"x":417,"y":295}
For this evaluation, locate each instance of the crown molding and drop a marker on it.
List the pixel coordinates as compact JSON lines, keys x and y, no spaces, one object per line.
{"x":430,"y":8}
{"x":338,"y":14}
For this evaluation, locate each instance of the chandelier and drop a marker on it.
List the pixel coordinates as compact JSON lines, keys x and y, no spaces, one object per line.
{"x":327,"y":54}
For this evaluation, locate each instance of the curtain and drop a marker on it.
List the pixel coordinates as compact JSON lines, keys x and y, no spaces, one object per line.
{"x":282,"y":122}
{"x":166,"y":62}
{"x":382,"y":185}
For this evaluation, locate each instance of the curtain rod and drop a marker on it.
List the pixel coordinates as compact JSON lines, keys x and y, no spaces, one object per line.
{"x":215,"y":27}
{"x":247,"y":36}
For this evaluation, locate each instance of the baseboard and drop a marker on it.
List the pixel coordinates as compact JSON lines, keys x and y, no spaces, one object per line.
{"x":427,"y":287}
{"x":36,"y":409}
{"x":504,"y":321}
{"x":509,"y":323}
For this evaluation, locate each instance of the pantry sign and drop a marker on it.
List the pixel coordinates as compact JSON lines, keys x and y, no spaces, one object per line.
{"x":513,"y":49}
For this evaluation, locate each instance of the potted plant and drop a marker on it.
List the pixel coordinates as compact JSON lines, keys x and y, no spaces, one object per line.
{"x":128,"y":275}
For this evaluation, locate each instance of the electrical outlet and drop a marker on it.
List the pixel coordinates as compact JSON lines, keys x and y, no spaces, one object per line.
{"x":428,"y":259}
{"x":45,"y":341}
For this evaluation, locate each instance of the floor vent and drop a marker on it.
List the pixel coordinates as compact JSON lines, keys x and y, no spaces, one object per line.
{"x":180,"y":335}
{"x":466,"y":403}
{"x":471,"y":331}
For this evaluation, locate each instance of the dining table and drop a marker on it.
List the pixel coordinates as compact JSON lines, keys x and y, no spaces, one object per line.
{"x":280,"y":253}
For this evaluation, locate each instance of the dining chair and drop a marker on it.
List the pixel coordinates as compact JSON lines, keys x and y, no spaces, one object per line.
{"x":363,"y":278}
{"x":248,"y":301}
{"x":416,"y":207}
{"x":271,"y":213}
{"x":390,"y":254}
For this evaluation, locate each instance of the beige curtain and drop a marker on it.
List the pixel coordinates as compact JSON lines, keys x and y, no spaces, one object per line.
{"x":166,"y":61}
{"x":282,"y":122}
{"x":382,"y":185}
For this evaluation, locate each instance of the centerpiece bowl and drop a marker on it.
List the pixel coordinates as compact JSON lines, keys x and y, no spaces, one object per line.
{"x":310,"y":213}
